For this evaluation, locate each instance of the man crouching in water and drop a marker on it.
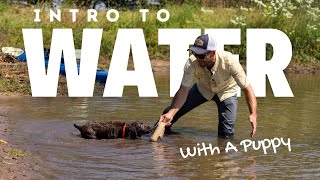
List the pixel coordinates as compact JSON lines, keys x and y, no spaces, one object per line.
{"x":218,"y":76}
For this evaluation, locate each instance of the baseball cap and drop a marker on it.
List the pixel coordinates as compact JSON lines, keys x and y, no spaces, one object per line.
{"x":203,"y":45}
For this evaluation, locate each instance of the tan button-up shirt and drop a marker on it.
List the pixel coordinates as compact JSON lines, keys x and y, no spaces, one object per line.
{"x":223,"y":79}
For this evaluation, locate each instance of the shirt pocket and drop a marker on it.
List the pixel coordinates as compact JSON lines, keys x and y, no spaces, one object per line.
{"x":200,"y":75}
{"x":221,"y":77}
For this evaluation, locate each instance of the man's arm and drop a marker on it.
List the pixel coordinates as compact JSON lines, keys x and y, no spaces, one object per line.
{"x":181,"y":95}
{"x":240,"y":77}
{"x":252,"y":105}
{"x":177,"y":102}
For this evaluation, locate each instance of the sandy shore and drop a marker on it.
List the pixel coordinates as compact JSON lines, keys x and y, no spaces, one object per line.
{"x":15,"y":163}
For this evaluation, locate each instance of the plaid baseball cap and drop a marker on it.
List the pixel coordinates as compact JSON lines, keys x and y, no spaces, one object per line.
{"x":203,"y":45}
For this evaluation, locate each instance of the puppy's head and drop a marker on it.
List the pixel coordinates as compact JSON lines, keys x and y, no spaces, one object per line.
{"x":86,"y":131}
{"x":141,"y":128}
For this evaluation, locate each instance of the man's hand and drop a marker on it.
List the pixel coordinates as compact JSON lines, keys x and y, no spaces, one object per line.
{"x":252,"y":105}
{"x":253,"y":121}
{"x":167,"y":118}
{"x":178,"y":100}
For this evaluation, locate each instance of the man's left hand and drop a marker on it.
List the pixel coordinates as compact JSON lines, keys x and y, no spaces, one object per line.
{"x":253,"y":121}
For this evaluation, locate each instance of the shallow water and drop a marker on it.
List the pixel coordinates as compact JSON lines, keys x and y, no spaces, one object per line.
{"x":45,"y":125}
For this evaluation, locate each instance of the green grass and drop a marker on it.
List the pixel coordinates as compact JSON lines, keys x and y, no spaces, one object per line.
{"x":16,"y":153}
{"x":305,"y":41}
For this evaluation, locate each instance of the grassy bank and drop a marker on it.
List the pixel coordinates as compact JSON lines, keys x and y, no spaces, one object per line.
{"x":300,"y":22}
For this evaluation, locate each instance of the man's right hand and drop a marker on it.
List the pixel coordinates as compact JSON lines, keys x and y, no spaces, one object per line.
{"x":178,"y":100}
{"x":166,"y":118}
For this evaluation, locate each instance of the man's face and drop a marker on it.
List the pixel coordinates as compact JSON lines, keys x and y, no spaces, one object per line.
{"x":203,"y":60}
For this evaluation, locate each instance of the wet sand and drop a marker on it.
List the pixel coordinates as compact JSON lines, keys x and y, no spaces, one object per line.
{"x":15,"y":163}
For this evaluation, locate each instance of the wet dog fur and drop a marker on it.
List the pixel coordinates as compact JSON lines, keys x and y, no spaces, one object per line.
{"x":113,"y":130}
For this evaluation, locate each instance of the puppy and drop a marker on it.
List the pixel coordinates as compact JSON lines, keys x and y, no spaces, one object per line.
{"x":112,"y":130}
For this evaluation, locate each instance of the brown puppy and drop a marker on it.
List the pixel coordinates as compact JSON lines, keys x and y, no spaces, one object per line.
{"x":112,"y":130}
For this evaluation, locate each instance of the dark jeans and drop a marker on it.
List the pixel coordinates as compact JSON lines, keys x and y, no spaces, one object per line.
{"x":227,"y":110}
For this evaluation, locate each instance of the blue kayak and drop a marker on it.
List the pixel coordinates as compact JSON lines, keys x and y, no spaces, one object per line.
{"x":101,"y":75}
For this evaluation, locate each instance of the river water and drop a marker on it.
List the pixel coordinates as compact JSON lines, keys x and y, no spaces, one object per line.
{"x":45,"y":126}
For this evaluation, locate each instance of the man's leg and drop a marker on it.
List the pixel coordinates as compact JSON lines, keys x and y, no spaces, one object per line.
{"x":227,"y":110}
{"x":194,"y":99}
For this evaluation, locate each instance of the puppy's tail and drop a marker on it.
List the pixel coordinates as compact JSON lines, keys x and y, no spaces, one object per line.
{"x":78,"y":127}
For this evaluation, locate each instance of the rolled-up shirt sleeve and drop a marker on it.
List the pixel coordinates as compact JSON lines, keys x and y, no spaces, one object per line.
{"x":188,"y":74}
{"x":238,"y":74}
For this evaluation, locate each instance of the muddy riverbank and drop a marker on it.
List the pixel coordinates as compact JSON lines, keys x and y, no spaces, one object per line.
{"x":15,"y":162}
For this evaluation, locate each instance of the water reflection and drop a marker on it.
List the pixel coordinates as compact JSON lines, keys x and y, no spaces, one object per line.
{"x":45,"y":125}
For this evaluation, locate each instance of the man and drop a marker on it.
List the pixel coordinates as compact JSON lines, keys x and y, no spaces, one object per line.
{"x":218,"y":76}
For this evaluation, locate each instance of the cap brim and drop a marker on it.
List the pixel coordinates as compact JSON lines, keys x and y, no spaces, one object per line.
{"x":198,"y":50}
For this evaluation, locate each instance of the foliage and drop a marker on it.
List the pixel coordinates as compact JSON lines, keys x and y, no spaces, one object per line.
{"x":299,"y":19}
